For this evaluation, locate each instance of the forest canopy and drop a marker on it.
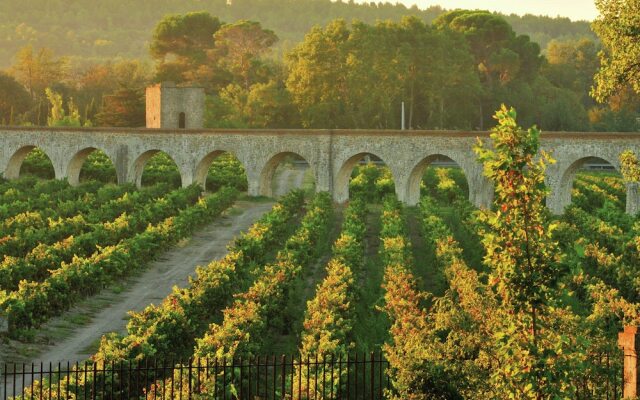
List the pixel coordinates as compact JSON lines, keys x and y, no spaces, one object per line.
{"x":451,"y":69}
{"x":96,"y":30}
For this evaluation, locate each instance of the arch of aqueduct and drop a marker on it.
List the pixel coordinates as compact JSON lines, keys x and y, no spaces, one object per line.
{"x":331,"y":154}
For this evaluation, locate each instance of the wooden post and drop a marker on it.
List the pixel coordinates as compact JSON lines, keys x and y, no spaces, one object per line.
{"x":629,"y":341}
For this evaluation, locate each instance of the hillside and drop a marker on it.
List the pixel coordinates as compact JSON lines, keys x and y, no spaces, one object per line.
{"x":121,"y":28}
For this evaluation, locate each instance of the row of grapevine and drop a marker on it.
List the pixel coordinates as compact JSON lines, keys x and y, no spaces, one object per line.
{"x":603,"y":243}
{"x":605,"y":185}
{"x":28,"y":187}
{"x":466,"y":299}
{"x":590,"y":196}
{"x":47,"y":197}
{"x":371,"y":182}
{"x":35,"y":302}
{"x":170,"y":328}
{"x":41,"y":205}
{"x":595,"y":209}
{"x":244,"y":322}
{"x":599,"y":242}
{"x":45,"y":259}
{"x":609,"y":235}
{"x":601,"y":201}
{"x":446,"y":185}
{"x":600,"y":245}
{"x":22,"y":184}
{"x":585,"y":252}
{"x":612,"y":184}
{"x":328,"y":318}
{"x":41,"y":218}
{"x":39,"y":231}
{"x":402,"y":304}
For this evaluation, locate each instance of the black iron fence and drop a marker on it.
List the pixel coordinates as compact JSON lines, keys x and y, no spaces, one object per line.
{"x":256,"y":378}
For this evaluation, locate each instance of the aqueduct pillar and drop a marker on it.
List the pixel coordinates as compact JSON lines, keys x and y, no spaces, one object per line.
{"x":633,"y":198}
{"x":331,"y":155}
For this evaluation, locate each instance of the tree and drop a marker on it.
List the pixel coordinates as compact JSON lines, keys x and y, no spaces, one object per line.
{"x":14,"y":100}
{"x":534,"y":357}
{"x":572,"y":65}
{"x":239,"y":47}
{"x":486,"y":33}
{"x":501,"y":56}
{"x":181,"y":45}
{"x":119,"y":28}
{"x":316,"y":76}
{"x":124,"y":108}
{"x":57,"y":114}
{"x":265,"y":105}
{"x":38,"y":71}
{"x":98,"y":79}
{"x":618,"y":27}
{"x":558,"y":108}
{"x":357,"y":76}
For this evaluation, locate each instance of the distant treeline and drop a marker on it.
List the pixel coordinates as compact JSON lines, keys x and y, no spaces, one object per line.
{"x":450,"y":73}
{"x":102,"y":30}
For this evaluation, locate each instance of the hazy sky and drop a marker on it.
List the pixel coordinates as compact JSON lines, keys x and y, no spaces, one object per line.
{"x":574,"y":9}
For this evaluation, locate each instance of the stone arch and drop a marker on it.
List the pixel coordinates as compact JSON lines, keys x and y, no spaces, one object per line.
{"x":343,"y":176}
{"x":78,"y":160}
{"x":562,"y":185}
{"x":415,"y":177}
{"x":12,"y":171}
{"x":268,"y":171}
{"x":202,"y":168}
{"x":136,"y":170}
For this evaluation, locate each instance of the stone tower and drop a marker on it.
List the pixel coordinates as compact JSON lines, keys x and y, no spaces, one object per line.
{"x":173,"y":107}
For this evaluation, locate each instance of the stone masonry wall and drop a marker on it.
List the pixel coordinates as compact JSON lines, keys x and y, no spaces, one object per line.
{"x":165,"y":101}
{"x":331,"y":154}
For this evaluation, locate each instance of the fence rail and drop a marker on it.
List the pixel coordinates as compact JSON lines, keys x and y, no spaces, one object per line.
{"x":257,"y":378}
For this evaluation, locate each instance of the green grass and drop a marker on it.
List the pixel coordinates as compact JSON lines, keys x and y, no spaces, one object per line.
{"x":288,"y":339}
{"x":370,"y":325}
{"x":78,"y":319}
{"x":464,"y":233}
{"x":255,"y":199}
{"x":426,"y":271}
{"x":117,"y":288}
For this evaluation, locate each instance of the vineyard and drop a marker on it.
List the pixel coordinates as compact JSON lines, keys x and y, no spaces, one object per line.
{"x":431,"y":290}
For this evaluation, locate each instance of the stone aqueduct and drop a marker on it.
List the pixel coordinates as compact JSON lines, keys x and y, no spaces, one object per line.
{"x":331,"y":154}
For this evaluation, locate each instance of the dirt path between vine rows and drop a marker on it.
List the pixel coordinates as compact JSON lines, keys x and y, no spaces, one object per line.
{"x":151,"y":286}
{"x":73,"y":342}
{"x":74,"y":336}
